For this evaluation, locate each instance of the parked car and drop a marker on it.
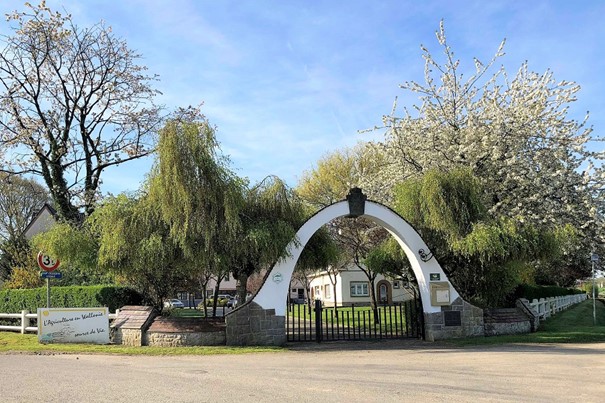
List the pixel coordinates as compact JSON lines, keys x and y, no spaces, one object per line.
{"x":174,"y":303}
{"x":232,"y":303}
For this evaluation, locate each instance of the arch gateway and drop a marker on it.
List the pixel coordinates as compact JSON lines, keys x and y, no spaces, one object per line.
{"x":261,"y":320}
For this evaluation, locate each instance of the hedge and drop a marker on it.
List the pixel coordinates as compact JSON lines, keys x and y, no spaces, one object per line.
{"x":113,"y":297}
{"x":531,"y":292}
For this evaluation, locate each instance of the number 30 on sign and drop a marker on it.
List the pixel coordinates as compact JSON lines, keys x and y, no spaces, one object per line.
{"x":46,"y":262}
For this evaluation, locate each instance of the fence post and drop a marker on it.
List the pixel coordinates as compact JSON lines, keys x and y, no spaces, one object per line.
{"x":318,"y":322}
{"x":24,"y":321}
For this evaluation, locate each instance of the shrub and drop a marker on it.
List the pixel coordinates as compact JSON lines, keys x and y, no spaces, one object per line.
{"x":113,"y":297}
{"x":531,"y":292}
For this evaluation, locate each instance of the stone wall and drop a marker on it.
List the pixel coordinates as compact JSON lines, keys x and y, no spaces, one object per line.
{"x":128,"y":337}
{"x":251,"y":325}
{"x":165,"y":339}
{"x":460,"y":319}
{"x":503,"y":328}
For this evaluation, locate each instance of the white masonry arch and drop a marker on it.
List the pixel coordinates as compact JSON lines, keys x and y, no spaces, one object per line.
{"x":273,"y":294}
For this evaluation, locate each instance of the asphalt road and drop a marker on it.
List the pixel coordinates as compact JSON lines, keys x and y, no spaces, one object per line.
{"x":396,"y":371}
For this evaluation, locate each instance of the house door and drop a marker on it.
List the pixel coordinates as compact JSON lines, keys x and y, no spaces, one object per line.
{"x":383,"y":293}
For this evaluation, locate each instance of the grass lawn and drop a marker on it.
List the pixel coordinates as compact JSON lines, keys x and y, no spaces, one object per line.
{"x":390,"y":317}
{"x":575,"y":325}
{"x":16,"y":342}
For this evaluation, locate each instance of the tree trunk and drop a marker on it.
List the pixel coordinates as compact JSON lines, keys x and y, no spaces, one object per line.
{"x":335,"y":299}
{"x":373,"y":303}
{"x":217,"y":287}
{"x":204,"y":286}
{"x":242,"y":287}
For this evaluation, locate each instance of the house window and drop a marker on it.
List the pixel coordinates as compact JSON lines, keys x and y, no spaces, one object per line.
{"x":317,"y":292}
{"x":327,"y":291}
{"x":396,"y":284}
{"x":359,"y":289}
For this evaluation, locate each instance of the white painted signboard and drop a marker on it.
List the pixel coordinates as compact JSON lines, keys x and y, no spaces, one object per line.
{"x":73,"y":325}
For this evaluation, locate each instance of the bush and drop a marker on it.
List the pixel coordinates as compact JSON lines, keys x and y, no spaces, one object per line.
{"x":531,"y":292}
{"x":221,"y":301}
{"x":113,"y":297}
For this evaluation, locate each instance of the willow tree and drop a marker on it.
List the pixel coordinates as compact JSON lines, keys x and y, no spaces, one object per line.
{"x":485,"y":258}
{"x":186,"y":218}
{"x":197,"y":195}
{"x":75,"y":101}
{"x":514,"y":132}
{"x":270,"y":217}
{"x":135,"y":243}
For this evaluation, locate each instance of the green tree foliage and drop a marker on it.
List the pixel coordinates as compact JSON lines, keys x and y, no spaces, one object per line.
{"x":320,"y":253}
{"x":271,"y":215}
{"x":186,"y":221}
{"x":18,"y":265}
{"x":336,"y":173}
{"x":135,"y":244}
{"x":77,"y":248}
{"x":199,"y":198}
{"x":15,"y":253}
{"x":485,"y":258}
{"x":75,"y":101}
{"x":389,"y":260}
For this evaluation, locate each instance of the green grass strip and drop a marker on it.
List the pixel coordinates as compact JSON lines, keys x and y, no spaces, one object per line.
{"x":28,"y":343}
{"x":574,"y":325}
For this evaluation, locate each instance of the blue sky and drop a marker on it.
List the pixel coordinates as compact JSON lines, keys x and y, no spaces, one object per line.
{"x":286,"y":82}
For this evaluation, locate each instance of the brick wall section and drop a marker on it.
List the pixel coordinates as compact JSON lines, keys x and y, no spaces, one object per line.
{"x":471,"y":322}
{"x":251,"y":325}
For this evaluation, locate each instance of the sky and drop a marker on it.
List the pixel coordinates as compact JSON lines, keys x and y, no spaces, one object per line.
{"x":287,"y":82}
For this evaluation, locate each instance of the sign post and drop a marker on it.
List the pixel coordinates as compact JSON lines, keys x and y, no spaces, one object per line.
{"x":48,"y":264}
{"x":594,"y":258}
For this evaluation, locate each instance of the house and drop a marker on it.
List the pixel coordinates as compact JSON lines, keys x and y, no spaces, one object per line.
{"x":352,"y":287}
{"x":44,"y":219}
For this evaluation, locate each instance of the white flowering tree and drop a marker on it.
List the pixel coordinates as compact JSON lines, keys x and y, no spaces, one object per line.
{"x":537,"y":164}
{"x":513,"y":132}
{"x":74,"y":102}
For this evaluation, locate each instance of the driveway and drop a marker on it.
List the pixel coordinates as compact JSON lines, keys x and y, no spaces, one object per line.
{"x":394,"y":371}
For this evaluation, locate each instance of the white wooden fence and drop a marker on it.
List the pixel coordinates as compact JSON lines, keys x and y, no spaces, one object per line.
{"x":546,"y":307}
{"x":25,"y":317}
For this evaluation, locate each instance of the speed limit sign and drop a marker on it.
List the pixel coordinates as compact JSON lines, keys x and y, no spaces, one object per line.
{"x":47,"y":263}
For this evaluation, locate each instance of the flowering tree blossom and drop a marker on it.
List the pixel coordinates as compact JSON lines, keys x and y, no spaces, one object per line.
{"x":74,"y":102}
{"x":536,"y":163}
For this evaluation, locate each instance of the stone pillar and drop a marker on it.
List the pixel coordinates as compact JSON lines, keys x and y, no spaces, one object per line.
{"x":532,"y":315}
{"x":251,"y":325}
{"x":460,"y":319}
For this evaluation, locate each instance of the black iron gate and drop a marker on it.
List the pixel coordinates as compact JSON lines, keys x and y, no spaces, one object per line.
{"x":319,"y":323}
